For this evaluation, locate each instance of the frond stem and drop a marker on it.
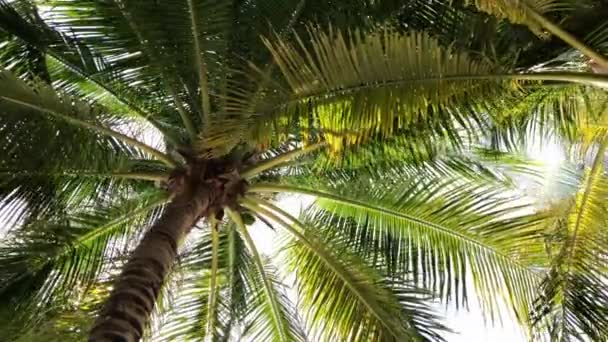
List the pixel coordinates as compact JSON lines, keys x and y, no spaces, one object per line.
{"x":280,"y":159}
{"x":50,"y":52}
{"x":569,"y":77}
{"x":140,"y":112}
{"x":215,"y":243}
{"x":270,"y":67}
{"x":596,"y":170}
{"x":201,"y":67}
{"x":148,"y":176}
{"x":181,"y":109}
{"x":153,"y":57}
{"x":105,"y":228}
{"x":231,"y":260}
{"x":276,"y":314}
{"x":565,"y":36}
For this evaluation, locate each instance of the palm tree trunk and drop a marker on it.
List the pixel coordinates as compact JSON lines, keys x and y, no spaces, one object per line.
{"x":127,"y":310}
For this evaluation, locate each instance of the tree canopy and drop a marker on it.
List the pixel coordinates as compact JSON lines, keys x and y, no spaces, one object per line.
{"x":407,"y":122}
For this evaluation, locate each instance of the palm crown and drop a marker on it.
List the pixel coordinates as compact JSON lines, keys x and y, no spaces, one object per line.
{"x":142,"y":140}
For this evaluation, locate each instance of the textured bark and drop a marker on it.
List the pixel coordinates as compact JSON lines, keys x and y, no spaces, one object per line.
{"x":130,"y":304}
{"x":201,"y":190}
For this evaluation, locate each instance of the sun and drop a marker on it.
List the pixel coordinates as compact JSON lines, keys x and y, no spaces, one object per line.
{"x":550,"y":153}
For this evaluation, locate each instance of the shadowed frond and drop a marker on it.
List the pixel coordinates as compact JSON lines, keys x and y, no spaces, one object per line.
{"x":531,"y":13}
{"x":72,"y":154}
{"x":70,"y":61}
{"x":47,"y":262}
{"x":35,"y":194}
{"x":71,"y":320}
{"x":17,"y":96}
{"x":518,"y":11}
{"x":118,"y":99}
{"x":24,"y":61}
{"x":178,"y":44}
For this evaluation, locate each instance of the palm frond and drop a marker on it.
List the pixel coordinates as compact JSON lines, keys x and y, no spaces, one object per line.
{"x":271,"y":317}
{"x":598,"y":38}
{"x":40,"y":99}
{"x":573,"y":114}
{"x":435,"y":227}
{"x":187,"y":313}
{"x":40,"y":186}
{"x":239,"y":262}
{"x":541,"y":113}
{"x":260,"y":316}
{"x":399,"y":156}
{"x":212,"y":307}
{"x":574,"y":301}
{"x":373,"y":311}
{"x":71,"y":60}
{"x":530,"y":12}
{"x":262,"y":18}
{"x":320,"y":291}
{"x":201,"y":65}
{"x":329,"y":311}
{"x":24,"y":61}
{"x":279,"y":159}
{"x":160,"y":33}
{"x":350,"y":87}
{"x":67,"y":161}
{"x":47,"y":262}
{"x":117,"y":98}
{"x":450,"y":22}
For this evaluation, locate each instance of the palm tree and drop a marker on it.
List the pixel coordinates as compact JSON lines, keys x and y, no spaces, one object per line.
{"x":175,"y":115}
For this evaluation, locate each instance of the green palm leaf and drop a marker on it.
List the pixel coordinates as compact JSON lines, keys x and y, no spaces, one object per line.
{"x":188,"y":311}
{"x":330,"y":311}
{"x":349,"y":87}
{"x":573,"y":114}
{"x":178,"y":26}
{"x":270,"y":317}
{"x":73,"y":157}
{"x":382,"y":116}
{"x":45,"y":262}
{"x":360,"y":307}
{"x":574,"y":298}
{"x":436,"y":228}
{"x":70,"y":55}
{"x":17,"y":96}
